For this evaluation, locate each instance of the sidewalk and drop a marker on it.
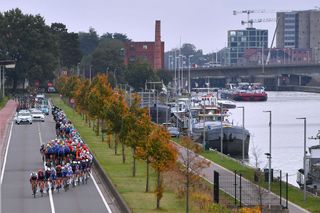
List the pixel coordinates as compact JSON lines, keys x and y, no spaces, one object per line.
{"x":249,"y":195}
{"x":6,"y":114}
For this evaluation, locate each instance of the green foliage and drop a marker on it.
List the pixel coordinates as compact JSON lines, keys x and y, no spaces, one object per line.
{"x":68,"y":44}
{"x":137,"y":73}
{"x":107,"y":57}
{"x":28,"y":40}
{"x":88,"y":41}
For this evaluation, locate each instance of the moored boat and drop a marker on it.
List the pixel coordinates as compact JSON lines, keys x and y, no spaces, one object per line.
{"x":209,"y":124}
{"x":245,"y":92}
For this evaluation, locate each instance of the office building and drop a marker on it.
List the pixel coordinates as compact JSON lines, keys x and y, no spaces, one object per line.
{"x":299,"y":29}
{"x":240,"y":40}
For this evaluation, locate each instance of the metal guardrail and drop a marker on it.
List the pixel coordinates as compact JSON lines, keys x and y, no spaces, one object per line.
{"x":107,"y":181}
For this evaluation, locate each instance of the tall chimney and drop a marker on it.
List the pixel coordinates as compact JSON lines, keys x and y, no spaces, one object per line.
{"x":157,"y":47}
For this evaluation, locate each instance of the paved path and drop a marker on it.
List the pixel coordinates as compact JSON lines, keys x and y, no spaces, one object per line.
{"x":6,"y":114}
{"x":250,"y":192}
{"x":23,"y":158}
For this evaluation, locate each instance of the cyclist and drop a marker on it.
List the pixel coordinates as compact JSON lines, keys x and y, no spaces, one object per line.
{"x":47,"y":175}
{"x":53,"y":177}
{"x":41,"y":181}
{"x":33,"y":181}
{"x":83,"y":167}
{"x":64,"y":177}
{"x":42,"y":152}
{"x":59,"y":176}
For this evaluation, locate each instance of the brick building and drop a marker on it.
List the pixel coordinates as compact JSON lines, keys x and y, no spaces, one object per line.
{"x":149,"y":51}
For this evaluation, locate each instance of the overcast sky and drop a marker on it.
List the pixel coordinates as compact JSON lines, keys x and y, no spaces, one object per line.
{"x":203,"y":23}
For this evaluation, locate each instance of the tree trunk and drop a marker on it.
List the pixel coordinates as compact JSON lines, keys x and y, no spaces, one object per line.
{"x":123,"y":154}
{"x":158,"y":190}
{"x":116,"y":145}
{"x":147,"y":183}
{"x":134,"y":162}
{"x":89,"y":122}
{"x":109,"y":140}
{"x":98,"y":127}
{"x":102,"y":130}
{"x":86,"y":118}
{"x":187,"y":191}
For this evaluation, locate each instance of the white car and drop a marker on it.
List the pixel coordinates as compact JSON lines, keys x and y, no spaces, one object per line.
{"x":23,"y":116}
{"x":37,"y":115}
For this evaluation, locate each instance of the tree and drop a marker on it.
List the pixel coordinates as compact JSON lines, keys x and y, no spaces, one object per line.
{"x":117,"y":109}
{"x":192,"y":164}
{"x":140,"y":125}
{"x":69,"y":45}
{"x":81,"y":91}
{"x":99,"y":91}
{"x":137,"y":73}
{"x":88,"y":41}
{"x":162,"y":155}
{"x":107,"y":57}
{"x":29,"y":41}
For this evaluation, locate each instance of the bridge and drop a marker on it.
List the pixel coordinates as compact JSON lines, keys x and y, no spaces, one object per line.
{"x":271,"y":75}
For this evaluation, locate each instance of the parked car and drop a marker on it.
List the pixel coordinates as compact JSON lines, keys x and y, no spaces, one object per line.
{"x":23,"y":116}
{"x":37,"y":115}
{"x":174,"y":131}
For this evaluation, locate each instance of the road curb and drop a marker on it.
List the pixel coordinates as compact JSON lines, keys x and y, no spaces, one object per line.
{"x":107,"y":181}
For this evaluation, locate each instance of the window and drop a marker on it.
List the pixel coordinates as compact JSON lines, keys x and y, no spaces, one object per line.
{"x":145,"y":47}
{"x":232,"y":33}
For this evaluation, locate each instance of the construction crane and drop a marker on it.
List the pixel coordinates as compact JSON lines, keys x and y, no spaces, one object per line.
{"x":248,"y":12}
{"x":251,"y":21}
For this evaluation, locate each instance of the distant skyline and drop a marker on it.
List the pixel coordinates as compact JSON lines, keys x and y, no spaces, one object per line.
{"x":203,"y":23}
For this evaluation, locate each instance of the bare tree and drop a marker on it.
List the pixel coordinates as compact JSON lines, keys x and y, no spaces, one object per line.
{"x":258,"y":176}
{"x":192,"y":164}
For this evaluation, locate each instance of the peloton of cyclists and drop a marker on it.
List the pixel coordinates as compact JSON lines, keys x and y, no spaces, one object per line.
{"x":67,"y":158}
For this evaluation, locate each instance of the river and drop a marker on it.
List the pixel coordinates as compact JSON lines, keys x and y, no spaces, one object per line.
{"x":287,"y":132}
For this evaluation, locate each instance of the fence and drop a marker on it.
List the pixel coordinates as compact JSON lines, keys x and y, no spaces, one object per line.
{"x":246,"y":193}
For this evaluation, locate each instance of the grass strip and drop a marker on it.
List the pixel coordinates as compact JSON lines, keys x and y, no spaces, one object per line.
{"x":132,"y":189}
{"x":3,"y":102}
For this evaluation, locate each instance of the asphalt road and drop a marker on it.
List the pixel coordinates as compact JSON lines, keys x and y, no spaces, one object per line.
{"x":23,"y":157}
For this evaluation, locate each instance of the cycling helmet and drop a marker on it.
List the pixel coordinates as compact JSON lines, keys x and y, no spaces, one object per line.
{"x":34,"y":174}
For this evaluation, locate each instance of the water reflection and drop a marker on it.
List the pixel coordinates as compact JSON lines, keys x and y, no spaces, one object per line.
{"x":287,"y":131}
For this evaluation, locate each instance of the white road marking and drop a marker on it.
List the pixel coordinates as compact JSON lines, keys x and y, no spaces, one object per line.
{"x":53,"y":210}
{"x":100,"y":193}
{"x":94,"y":181}
{"x":6,"y":154}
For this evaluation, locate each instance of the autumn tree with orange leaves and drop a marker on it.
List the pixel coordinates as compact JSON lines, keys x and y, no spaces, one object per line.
{"x":163,"y":156}
{"x":139,"y":127}
{"x":99,"y":91}
{"x":160,"y":153}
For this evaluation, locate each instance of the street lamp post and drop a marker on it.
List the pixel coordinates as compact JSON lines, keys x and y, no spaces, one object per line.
{"x":176,"y":74}
{"x":189,"y":80}
{"x":269,"y":154}
{"x":243,"y":141}
{"x":90,"y":73}
{"x":9,"y":64}
{"x":262,"y":51}
{"x":221,"y":130}
{"x":78,"y":69}
{"x":304,"y":159}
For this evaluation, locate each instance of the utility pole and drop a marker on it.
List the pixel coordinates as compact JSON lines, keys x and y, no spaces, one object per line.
{"x":304,"y":158}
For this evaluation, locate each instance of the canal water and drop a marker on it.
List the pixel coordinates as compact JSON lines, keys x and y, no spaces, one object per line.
{"x":287,"y":132}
